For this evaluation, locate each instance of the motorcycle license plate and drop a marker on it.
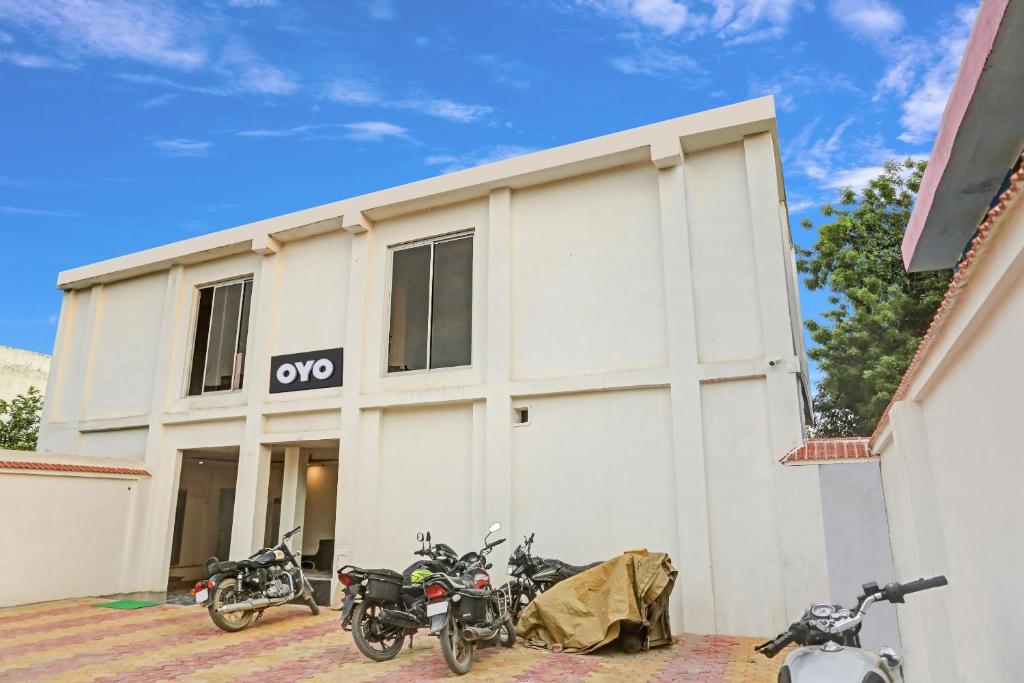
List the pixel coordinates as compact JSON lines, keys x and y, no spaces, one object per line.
{"x":436,"y":608}
{"x":202,"y":596}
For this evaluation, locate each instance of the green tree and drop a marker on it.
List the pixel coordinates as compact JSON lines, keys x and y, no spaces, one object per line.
{"x":879,"y":312}
{"x":19,"y":421}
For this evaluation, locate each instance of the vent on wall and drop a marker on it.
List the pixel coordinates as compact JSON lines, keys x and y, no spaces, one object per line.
{"x":522,"y":415}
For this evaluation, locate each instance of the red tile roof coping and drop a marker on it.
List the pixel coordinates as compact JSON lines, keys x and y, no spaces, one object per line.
{"x":826,"y":450}
{"x":64,"y":467}
{"x":956,"y":286}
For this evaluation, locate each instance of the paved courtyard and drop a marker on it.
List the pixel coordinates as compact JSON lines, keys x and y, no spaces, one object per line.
{"x":73,"y":641}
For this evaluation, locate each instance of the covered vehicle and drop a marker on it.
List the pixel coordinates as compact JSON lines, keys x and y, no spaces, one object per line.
{"x":624,"y":599}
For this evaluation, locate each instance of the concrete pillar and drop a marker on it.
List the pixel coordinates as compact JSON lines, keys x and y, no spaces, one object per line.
{"x":924,"y":625}
{"x":497,"y":415}
{"x":249,"y":522}
{"x":694,"y":542}
{"x":293,"y":494}
{"x":799,"y":524}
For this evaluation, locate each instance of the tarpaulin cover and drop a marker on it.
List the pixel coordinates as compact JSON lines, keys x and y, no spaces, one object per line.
{"x":626,"y":596}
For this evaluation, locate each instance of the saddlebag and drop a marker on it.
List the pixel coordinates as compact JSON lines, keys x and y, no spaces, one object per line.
{"x":471,"y":609}
{"x":383,"y":585}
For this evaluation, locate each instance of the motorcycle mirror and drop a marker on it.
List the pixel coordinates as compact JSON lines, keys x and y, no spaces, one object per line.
{"x":495,"y":527}
{"x":419,"y":536}
{"x":428,"y":537}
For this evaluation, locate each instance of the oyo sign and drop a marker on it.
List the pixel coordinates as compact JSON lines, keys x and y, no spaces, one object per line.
{"x":310,"y":370}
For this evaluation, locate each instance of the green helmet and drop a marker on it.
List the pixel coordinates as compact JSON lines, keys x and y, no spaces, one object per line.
{"x":419,"y":574}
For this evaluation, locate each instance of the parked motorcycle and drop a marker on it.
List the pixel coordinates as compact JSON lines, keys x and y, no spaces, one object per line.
{"x":382,"y":607}
{"x":530,"y":576}
{"x":464,"y":611}
{"x":829,"y":640}
{"x":235,"y":592}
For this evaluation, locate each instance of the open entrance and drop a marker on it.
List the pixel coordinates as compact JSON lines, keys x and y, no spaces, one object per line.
{"x":202,"y":514}
{"x":303,"y":491}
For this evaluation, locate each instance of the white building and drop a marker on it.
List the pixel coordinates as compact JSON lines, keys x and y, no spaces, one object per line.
{"x":21,"y":369}
{"x":599,"y":342}
{"x":949,"y":446}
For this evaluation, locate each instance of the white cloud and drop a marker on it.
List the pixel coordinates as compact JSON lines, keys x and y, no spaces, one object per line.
{"x":789,"y":85}
{"x":34,"y":61}
{"x":362,"y":130}
{"x":443,"y":109}
{"x":381,"y":9}
{"x":351,"y":91}
{"x":751,"y":21}
{"x":22,"y":211}
{"x":872,"y":19}
{"x":143,"y":31}
{"x":249,"y":74}
{"x":183,"y":147}
{"x":477,"y":157}
{"x":666,"y":16}
{"x":6,"y":38}
{"x":159,"y":100}
{"x":926,"y":100}
{"x":154,"y":80}
{"x":656,"y":62}
{"x":798,"y":205}
{"x":375,"y":130}
{"x":251,"y":3}
{"x":506,"y":71}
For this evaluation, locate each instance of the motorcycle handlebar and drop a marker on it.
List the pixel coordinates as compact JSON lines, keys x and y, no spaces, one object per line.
{"x":774,"y":647}
{"x":493,"y":544}
{"x":924,"y":584}
{"x":291,"y":533}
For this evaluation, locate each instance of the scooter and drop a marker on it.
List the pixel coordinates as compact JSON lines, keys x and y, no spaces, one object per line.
{"x":829,"y":640}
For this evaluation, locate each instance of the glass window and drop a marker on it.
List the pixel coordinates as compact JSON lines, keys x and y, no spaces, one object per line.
{"x":431,"y":305}
{"x":221,"y":333}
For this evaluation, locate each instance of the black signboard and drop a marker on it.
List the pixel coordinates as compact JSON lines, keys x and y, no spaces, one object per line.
{"x":310,"y":370}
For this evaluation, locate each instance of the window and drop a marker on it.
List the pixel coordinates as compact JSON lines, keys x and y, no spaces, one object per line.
{"x":222,"y":326}
{"x":431,"y":304}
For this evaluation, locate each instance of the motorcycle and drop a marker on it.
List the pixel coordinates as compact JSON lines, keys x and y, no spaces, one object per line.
{"x":530,"y":576}
{"x":235,"y":592}
{"x":829,"y":640}
{"x":382,"y":607}
{"x":464,"y":611}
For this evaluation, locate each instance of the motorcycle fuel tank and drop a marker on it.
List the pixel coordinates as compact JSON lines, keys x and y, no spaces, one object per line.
{"x":833,"y":663}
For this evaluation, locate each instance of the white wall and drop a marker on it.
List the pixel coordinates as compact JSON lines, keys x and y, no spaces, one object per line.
{"x":21,"y":369}
{"x":62,"y":533}
{"x":951,"y":469}
{"x":857,"y":538}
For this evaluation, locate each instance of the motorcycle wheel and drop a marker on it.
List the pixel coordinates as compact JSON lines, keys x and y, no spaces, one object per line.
{"x":457,"y":651}
{"x":226,"y":593}
{"x":507,"y":633}
{"x":376,"y":647}
{"x":307,"y":595}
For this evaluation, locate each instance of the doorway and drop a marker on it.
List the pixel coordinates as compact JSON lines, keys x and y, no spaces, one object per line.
{"x":203,"y":513}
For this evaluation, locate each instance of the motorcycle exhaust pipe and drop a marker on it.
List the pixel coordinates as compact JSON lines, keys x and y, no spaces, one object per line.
{"x":473,"y":633}
{"x":245,"y":605}
{"x":394,"y":617}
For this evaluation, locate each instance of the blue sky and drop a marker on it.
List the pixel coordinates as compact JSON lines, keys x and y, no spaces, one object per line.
{"x":129,"y":124}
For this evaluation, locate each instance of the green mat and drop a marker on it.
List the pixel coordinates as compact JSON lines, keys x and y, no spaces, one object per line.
{"x":126,"y":604}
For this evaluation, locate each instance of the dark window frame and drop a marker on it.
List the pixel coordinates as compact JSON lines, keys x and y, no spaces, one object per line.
{"x":203,"y":336}
{"x":431,"y":242}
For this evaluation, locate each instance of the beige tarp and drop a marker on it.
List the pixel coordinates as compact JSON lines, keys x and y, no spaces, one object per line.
{"x":626,"y":596}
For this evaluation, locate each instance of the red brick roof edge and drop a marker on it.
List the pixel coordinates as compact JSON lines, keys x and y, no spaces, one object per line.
{"x":956,"y":286}
{"x":63,"y":467}
{"x":827,"y":450}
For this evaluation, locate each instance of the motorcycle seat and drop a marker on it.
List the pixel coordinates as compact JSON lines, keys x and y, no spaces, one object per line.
{"x":225,"y":567}
{"x":253,"y":564}
{"x":387,"y":573}
{"x":567,"y":570}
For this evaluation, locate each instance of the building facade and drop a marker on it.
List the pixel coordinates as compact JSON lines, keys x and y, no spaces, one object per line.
{"x":599,"y":342}
{"x":950,"y":451}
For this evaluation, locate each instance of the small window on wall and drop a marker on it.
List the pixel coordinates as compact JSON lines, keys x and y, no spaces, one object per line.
{"x":221,"y":332}
{"x":431,"y":304}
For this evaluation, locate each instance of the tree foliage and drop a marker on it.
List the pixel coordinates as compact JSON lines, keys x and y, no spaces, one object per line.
{"x":879,"y":312}
{"x":19,"y":421}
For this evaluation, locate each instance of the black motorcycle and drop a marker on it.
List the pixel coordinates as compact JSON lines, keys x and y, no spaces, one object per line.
{"x":529,"y":576}
{"x":464,"y":611}
{"x":236,"y":592}
{"x":382,"y":607}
